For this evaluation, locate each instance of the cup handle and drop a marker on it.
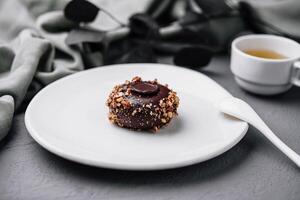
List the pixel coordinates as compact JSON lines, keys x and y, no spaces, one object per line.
{"x":296,"y":74}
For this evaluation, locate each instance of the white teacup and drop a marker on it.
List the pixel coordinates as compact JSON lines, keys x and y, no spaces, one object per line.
{"x":261,"y":75}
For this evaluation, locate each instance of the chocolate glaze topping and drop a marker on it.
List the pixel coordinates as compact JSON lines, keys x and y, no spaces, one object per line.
{"x":144,"y":88}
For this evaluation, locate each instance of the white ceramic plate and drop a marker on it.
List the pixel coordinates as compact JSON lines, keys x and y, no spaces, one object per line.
{"x":69,"y":118}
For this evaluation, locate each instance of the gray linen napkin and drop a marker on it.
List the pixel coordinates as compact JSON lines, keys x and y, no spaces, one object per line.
{"x":273,"y":16}
{"x":30,"y":60}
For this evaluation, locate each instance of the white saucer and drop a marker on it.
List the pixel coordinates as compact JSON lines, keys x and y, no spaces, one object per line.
{"x":69,"y":118}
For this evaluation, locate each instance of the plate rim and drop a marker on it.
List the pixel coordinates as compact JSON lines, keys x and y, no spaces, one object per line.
{"x":96,"y":163}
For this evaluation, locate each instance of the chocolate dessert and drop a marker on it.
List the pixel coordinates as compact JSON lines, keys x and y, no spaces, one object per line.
{"x":142,"y":105}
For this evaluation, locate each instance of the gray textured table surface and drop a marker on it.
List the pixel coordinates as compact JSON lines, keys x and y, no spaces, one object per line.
{"x":253,"y":169}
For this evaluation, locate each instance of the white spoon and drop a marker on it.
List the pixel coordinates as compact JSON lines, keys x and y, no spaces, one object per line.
{"x":239,"y":109}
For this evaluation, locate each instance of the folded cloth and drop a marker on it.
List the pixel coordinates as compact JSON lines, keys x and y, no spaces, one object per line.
{"x":273,"y":16}
{"x":30,"y":61}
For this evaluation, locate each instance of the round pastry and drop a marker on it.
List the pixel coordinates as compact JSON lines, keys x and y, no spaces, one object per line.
{"x":142,"y":105}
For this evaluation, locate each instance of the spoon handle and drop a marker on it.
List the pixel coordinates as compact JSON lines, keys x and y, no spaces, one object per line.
{"x":266,"y":131}
{"x":241,"y":110}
